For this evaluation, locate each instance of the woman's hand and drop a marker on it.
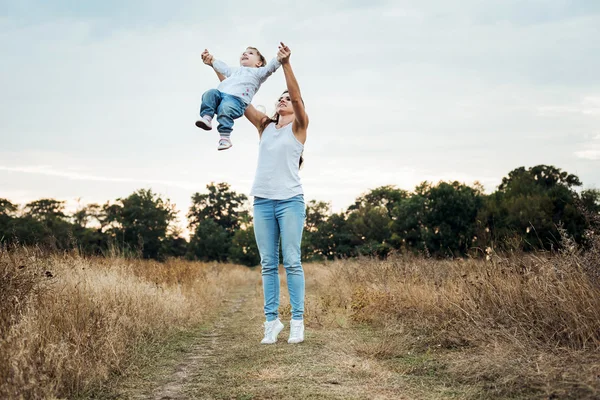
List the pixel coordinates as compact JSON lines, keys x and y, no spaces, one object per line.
{"x":284,"y":53}
{"x":207,"y":58}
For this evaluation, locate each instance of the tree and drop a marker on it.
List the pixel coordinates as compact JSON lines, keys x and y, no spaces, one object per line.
{"x":210,"y":242}
{"x":42,"y":223}
{"x":590,"y":198}
{"x":141,"y":221}
{"x":317,"y":213}
{"x":221,"y":204}
{"x":86,"y":214}
{"x":545,"y":176}
{"x":438,"y":219}
{"x":7,"y":208}
{"x":530,"y":204}
{"x":408,"y":222}
{"x":174,"y":246}
{"x":370,"y":219}
{"x":221,"y":213}
{"x":369,"y":228}
{"x":243,"y":248}
{"x":7,"y":213}
{"x":384,"y":196}
{"x":56,"y":231}
{"x":450,"y":216}
{"x":46,"y":210}
{"x":335,"y":240}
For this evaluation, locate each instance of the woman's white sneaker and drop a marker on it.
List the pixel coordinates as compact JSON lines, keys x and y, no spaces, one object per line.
{"x":296,"y":331}
{"x":272,"y":329}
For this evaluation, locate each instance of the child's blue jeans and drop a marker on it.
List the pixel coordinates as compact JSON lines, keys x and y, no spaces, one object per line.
{"x":226,"y":106}
{"x":275,"y":220}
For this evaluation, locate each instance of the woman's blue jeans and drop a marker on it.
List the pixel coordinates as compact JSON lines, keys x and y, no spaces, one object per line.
{"x":275,"y":221}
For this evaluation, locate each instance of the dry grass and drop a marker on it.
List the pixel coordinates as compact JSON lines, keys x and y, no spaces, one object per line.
{"x":68,"y":322}
{"x":526,"y":325}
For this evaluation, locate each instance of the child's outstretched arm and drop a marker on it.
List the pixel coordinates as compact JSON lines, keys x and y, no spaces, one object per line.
{"x":208,"y":59}
{"x":219,"y":66}
{"x":267,"y":70}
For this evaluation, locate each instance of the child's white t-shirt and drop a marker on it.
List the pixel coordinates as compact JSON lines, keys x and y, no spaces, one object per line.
{"x":243,"y":82}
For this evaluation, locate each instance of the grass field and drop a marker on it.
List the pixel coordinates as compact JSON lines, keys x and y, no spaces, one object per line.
{"x":518,"y":326}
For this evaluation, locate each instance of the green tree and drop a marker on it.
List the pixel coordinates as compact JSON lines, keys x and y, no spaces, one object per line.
{"x":450,"y":216}
{"x":530,"y":204}
{"x":7,"y":208}
{"x":90,"y":239}
{"x":335,"y":239}
{"x":527,"y":181}
{"x":384,"y":196}
{"x":369,"y":220}
{"x":210,"y":242}
{"x":174,"y":246}
{"x":438,"y":219}
{"x":54,"y":229}
{"x":46,"y":210}
{"x":140,"y":222}
{"x":23,"y":229}
{"x":408,"y":223}
{"x":223,"y":205}
{"x":590,"y":198}
{"x":369,"y":228}
{"x":7,"y":214}
{"x":243,"y":248}
{"x":87,"y":214}
{"x":317,"y":213}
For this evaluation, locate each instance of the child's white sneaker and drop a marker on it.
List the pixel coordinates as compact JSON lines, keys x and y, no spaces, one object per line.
{"x":204,"y":123}
{"x":296,"y":331}
{"x":272,"y":329}
{"x":224,"y":143}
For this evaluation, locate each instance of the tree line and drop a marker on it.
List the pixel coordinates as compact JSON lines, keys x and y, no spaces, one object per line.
{"x":531,"y":209}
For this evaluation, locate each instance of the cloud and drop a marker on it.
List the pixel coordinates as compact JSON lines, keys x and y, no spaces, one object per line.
{"x":587,"y":106}
{"x":49,"y":171}
{"x":590,"y":150}
{"x":397,"y":92}
{"x":588,"y":154}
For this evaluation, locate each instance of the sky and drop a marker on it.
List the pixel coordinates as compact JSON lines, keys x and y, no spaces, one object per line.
{"x":99,"y":99}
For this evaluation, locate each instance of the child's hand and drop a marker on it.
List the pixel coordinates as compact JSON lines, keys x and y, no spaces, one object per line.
{"x":207,"y":58}
{"x":284,"y":53}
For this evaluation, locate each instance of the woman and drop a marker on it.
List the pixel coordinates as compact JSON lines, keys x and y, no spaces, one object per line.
{"x":279,"y":209}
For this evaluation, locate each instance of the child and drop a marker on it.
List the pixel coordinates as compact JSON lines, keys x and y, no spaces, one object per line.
{"x":235,"y":92}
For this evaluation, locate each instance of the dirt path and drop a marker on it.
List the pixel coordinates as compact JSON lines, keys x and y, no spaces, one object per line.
{"x":226,"y":361}
{"x":202,"y":357}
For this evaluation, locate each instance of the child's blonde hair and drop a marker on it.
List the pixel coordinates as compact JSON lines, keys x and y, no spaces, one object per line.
{"x":259,"y":54}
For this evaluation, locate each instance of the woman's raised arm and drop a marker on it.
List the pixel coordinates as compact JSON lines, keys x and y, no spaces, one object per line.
{"x":257,"y":118}
{"x":301,"y":121}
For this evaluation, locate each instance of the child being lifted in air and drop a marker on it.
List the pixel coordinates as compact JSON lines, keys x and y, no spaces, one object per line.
{"x":230,"y":99}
